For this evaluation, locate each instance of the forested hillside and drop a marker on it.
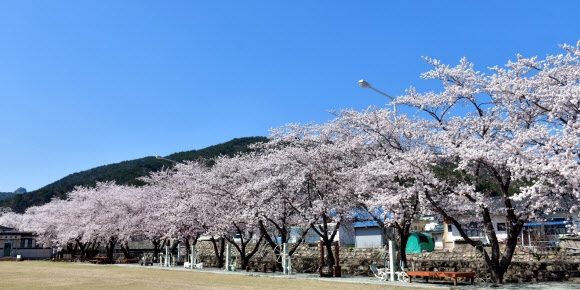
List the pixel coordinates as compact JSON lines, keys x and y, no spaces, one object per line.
{"x":6,"y":195}
{"x":124,"y":172}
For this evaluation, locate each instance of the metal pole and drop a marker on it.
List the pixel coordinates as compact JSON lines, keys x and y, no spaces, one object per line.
{"x":193,"y":259}
{"x":228,"y":256}
{"x":179,"y":252}
{"x":166,"y":264}
{"x":285,"y":259}
{"x":391,"y":260}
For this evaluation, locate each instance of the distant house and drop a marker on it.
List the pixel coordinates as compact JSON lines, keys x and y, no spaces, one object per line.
{"x":550,"y":229}
{"x":14,"y":243}
{"x":474,"y":231}
{"x":368,"y":234}
{"x":437,"y":233}
{"x":547,"y":230}
{"x":344,"y":235}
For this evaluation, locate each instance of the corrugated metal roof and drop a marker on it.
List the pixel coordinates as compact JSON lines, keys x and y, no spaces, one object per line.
{"x":537,"y":224}
{"x":366,"y":224}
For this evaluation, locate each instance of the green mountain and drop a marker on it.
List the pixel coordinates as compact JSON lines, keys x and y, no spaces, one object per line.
{"x":124,"y":172}
{"x":6,"y":195}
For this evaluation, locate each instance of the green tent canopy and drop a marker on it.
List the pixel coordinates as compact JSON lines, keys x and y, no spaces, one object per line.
{"x":419,"y":242}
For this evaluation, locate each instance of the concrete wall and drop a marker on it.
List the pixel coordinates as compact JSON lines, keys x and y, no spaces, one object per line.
{"x":30,"y":253}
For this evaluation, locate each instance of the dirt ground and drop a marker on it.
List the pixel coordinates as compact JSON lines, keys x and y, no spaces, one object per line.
{"x":66,"y":275}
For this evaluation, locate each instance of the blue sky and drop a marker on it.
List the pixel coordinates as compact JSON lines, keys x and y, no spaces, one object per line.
{"x":90,"y":83}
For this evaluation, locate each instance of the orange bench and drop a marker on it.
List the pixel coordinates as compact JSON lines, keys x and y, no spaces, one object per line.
{"x":453,"y":275}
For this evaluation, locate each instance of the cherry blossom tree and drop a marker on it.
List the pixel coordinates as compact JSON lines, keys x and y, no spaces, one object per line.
{"x":8,"y":218}
{"x":518,"y":132}
{"x":45,"y":222}
{"x":393,"y":168}
{"x":321,"y":157}
{"x":156,"y":208}
{"x":173,"y":207}
{"x":113,"y":217}
{"x":235,"y":211}
{"x":69,"y":217}
{"x":276,"y":186}
{"x":187,"y":220}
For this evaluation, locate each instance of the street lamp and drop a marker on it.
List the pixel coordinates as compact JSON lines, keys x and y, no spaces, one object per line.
{"x":163,"y":158}
{"x":364,"y":84}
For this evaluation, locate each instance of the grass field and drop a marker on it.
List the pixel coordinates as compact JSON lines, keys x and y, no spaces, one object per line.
{"x":62,"y":275}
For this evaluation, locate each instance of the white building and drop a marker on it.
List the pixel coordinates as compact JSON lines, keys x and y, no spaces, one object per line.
{"x":14,"y":243}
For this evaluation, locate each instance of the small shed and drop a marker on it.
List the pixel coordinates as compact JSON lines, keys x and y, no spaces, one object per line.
{"x":368,"y":234}
{"x":419,"y":242}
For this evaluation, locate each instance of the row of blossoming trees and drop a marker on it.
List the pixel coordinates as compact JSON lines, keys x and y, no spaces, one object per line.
{"x":511,"y":136}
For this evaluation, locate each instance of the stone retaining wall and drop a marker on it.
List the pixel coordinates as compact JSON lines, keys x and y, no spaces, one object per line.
{"x":525,"y":266}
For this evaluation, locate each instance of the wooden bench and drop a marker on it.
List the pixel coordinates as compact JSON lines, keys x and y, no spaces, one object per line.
{"x":101,"y":260}
{"x":128,"y":261}
{"x":453,"y":275}
{"x":63,"y":259}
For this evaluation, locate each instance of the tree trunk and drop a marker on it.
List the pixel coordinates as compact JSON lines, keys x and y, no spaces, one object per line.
{"x":187,"y":248}
{"x":322,"y":231}
{"x":246,"y":258}
{"x":173,"y":246}
{"x":125,"y":250}
{"x":82,"y":248}
{"x":157,"y":246}
{"x":498,"y":264}
{"x":276,"y":248}
{"x":273,"y":244}
{"x":95,"y":248}
{"x":241,"y":247}
{"x":329,"y":254}
{"x":72,"y":249}
{"x":110,"y":248}
{"x":402,"y":245}
{"x":503,"y":264}
{"x":219,"y":253}
{"x":188,"y":244}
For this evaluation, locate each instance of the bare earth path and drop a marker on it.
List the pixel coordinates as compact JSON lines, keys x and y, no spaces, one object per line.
{"x":62,"y":275}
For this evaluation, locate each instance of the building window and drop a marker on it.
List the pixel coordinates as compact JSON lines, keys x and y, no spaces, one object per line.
{"x":22,"y":241}
{"x":501,"y":227}
{"x":474,"y":229}
{"x":449,"y":228}
{"x":30,"y":243}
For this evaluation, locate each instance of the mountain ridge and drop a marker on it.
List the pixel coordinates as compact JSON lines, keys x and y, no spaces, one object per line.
{"x":124,"y":172}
